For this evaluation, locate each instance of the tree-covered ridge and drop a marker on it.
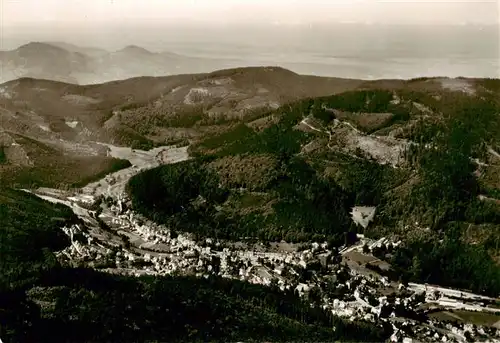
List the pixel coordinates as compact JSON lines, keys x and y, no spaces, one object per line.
{"x":29,"y":231}
{"x":446,"y":198}
{"x":43,"y":302}
{"x":446,"y":260}
{"x":48,"y":166}
{"x":298,"y":200}
{"x":189,"y":197}
{"x":304,"y":195}
{"x":439,"y":186}
{"x":95,"y":306}
{"x":443,"y":163}
{"x":3,"y":157}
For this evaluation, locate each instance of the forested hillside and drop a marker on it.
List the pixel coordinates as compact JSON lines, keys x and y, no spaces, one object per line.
{"x":44,"y":302}
{"x":427,"y":160}
{"x":293,"y":175}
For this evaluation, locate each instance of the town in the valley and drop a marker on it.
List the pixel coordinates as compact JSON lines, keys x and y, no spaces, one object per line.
{"x":349,"y":281}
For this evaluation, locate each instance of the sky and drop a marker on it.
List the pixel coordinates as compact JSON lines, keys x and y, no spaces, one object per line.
{"x":274,"y":30}
{"x":85,"y":13}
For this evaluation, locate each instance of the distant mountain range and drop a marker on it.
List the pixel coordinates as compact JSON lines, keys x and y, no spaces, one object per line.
{"x":69,"y":63}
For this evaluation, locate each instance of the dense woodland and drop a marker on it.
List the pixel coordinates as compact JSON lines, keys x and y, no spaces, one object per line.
{"x":94,"y":306}
{"x":438,"y":188}
{"x":301,"y":210}
{"x":304,"y":204}
{"x":44,"y":302}
{"x":446,"y":199}
{"x":3,"y":157}
{"x":298,"y":201}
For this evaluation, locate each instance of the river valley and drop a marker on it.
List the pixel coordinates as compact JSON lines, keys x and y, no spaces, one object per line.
{"x":118,"y":240}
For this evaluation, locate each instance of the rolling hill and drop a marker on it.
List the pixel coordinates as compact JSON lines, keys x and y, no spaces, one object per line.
{"x":426,"y":159}
{"x":276,"y":156}
{"x":69,"y":63}
{"x":49,"y":124}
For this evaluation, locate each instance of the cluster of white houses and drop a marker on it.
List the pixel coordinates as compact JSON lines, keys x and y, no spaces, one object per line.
{"x":318,"y":274}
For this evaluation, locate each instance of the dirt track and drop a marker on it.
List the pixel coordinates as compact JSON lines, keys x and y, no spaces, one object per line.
{"x":114,"y":184}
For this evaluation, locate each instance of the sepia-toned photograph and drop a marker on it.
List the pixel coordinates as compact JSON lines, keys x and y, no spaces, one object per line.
{"x":249,"y":171}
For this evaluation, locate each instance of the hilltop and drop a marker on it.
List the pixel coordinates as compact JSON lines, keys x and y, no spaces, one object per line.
{"x":59,"y":61}
{"x":42,"y":61}
{"x":48,"y":124}
{"x":279,"y":161}
{"x":426,"y":158}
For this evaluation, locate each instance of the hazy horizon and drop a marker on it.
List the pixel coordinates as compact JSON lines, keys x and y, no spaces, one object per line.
{"x":89,"y":12}
{"x":357,"y":39}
